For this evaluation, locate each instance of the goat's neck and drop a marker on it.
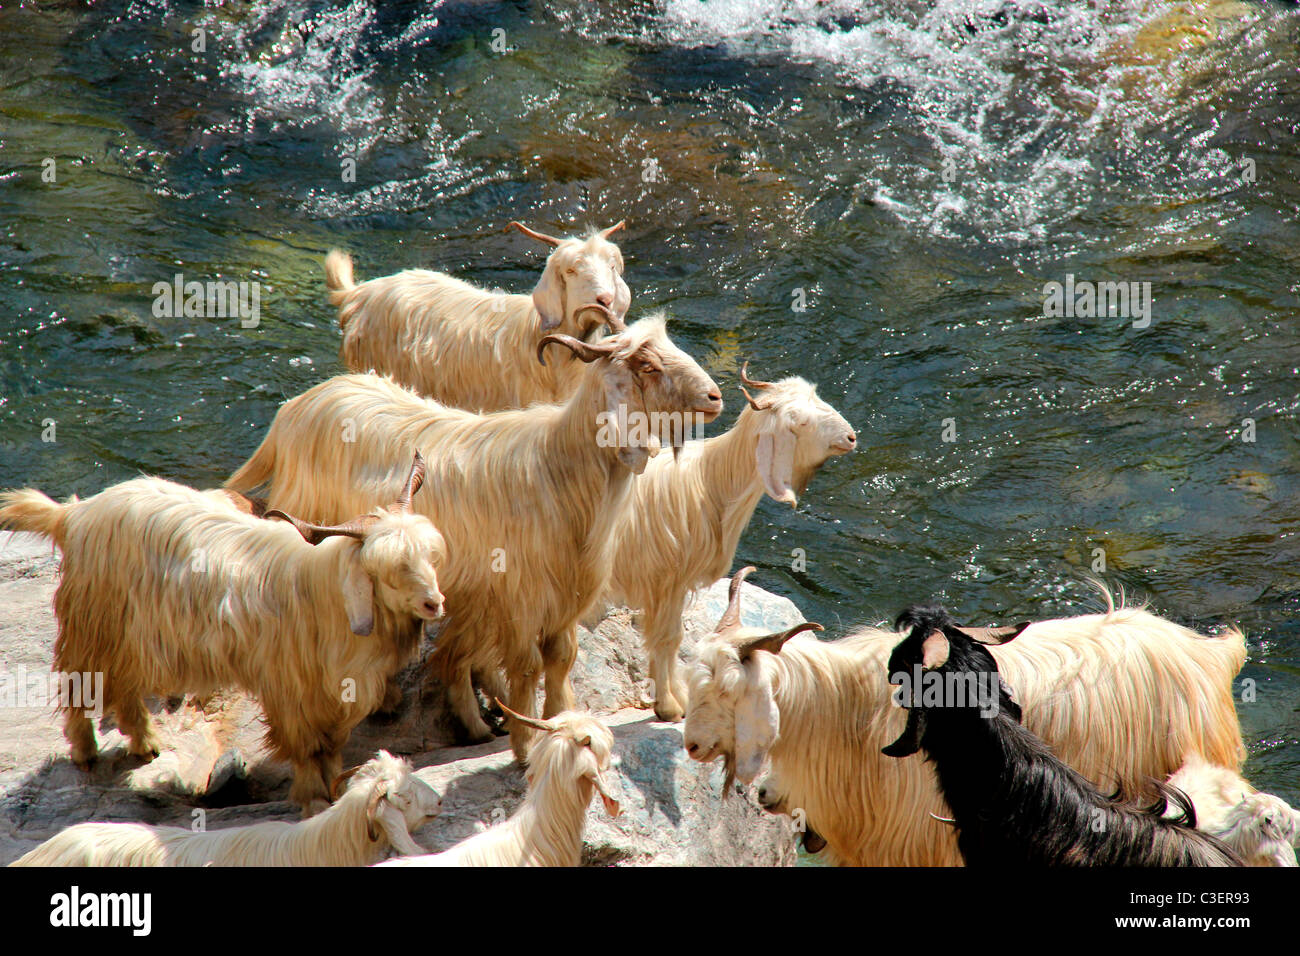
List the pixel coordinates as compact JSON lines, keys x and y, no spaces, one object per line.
{"x":728,"y":471}
{"x":973,"y":757}
{"x":338,"y":836}
{"x":550,"y":822}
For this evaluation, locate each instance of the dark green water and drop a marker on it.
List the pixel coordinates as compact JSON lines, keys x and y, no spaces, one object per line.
{"x":920,"y":171}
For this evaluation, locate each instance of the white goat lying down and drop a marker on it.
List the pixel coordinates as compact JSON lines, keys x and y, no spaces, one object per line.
{"x":473,"y":349}
{"x":383,"y":803}
{"x":1261,"y":828}
{"x":1120,"y":696}
{"x":527,"y":500}
{"x":565,"y":770}
{"x":680,"y":528}
{"x":166,"y":590}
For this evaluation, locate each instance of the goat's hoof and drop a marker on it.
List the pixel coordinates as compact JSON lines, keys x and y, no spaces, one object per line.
{"x":669,"y":714}
{"x":85,"y":764}
{"x":500,"y":731}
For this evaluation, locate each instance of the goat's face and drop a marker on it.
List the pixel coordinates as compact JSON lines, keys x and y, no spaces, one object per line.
{"x":580,"y":275}
{"x":576,"y":749}
{"x":652,"y":391}
{"x":398,"y":801}
{"x":732,"y":709}
{"x":797,"y":433}
{"x":399,"y":556}
{"x":935,"y":650}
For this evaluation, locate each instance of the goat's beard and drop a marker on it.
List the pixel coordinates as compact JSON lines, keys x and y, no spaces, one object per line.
{"x":909,"y":741}
{"x":729,"y":764}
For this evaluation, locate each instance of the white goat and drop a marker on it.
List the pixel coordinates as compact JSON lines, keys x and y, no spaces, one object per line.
{"x":473,"y":349}
{"x":527,"y":500}
{"x":680,"y":528}
{"x":1261,"y":828}
{"x":383,"y":803}
{"x":167,"y":590}
{"x":1122,"y":693}
{"x":564,"y":771}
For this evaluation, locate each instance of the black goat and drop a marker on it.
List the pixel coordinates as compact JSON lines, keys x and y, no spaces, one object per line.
{"x":1014,"y":802}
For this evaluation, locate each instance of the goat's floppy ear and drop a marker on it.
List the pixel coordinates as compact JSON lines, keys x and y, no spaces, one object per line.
{"x":612,"y":806}
{"x":774,"y":457}
{"x":548,"y":296}
{"x":994,"y":635}
{"x":358,"y":596}
{"x":934,"y":651}
{"x":909,"y":741}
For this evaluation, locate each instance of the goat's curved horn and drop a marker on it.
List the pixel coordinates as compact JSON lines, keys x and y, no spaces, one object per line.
{"x":994,"y":635}
{"x":539,"y":236}
{"x":414,"y":481}
{"x":757,"y":406}
{"x":751,"y":382}
{"x":613,"y":320}
{"x":344,"y":777}
{"x":731,"y":616}
{"x":587,"y":351}
{"x":545,"y":725}
{"x":316,"y":533}
{"x":772,"y":643}
{"x":606,"y":233}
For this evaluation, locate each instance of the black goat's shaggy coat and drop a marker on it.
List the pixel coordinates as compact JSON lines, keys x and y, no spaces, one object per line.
{"x":1014,"y":802}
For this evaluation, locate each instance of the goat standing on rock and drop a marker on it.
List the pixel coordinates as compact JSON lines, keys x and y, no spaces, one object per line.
{"x":527,"y":500}
{"x":685,"y":517}
{"x":1014,"y":802}
{"x":167,"y":590}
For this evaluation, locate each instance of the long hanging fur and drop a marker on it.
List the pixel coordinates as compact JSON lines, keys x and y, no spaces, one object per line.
{"x":1260,"y":828}
{"x":684,"y":517}
{"x":1121,"y":697}
{"x":382,"y":804}
{"x":166,"y":590}
{"x":1014,"y":802}
{"x":527,"y":501}
{"x":469,"y":347}
{"x":546,"y":830}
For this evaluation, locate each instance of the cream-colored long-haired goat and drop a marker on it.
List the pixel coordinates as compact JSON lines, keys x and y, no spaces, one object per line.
{"x":680,"y":528}
{"x":471,"y":348}
{"x":1261,"y":828}
{"x":565,"y":770}
{"x":526,"y":499}
{"x":166,"y":590}
{"x":383,"y":803}
{"x":1120,"y":696}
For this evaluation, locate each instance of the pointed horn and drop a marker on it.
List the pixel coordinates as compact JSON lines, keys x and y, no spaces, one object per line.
{"x":751,"y":382}
{"x":731,"y":616}
{"x":757,"y":406}
{"x":316,"y":533}
{"x":772,"y":643}
{"x":606,"y":233}
{"x":539,"y":236}
{"x":414,"y":481}
{"x":372,"y":807}
{"x":344,"y":777}
{"x":587,"y":351}
{"x":994,"y":635}
{"x":545,"y":725}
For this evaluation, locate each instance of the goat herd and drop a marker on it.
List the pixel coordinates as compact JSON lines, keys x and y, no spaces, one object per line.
{"x":493,"y":476}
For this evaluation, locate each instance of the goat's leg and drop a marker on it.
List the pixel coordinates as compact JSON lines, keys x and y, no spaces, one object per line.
{"x":80,"y":733}
{"x":559,"y":651}
{"x":663,"y":638}
{"x":464,"y":704}
{"x":309,"y":790}
{"x":135,"y":721}
{"x":523,"y":700}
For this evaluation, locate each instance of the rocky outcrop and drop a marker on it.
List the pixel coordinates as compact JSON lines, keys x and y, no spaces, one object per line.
{"x":214,"y":764}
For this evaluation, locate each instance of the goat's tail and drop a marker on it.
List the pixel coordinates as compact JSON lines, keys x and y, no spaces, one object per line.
{"x":27,"y":509}
{"x":338,"y":280}
{"x":254,"y":473}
